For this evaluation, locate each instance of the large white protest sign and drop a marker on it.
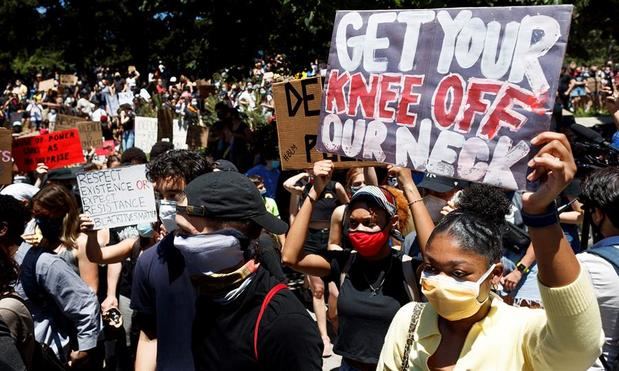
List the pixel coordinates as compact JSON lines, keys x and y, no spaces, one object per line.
{"x":117,"y":197}
{"x":456,"y":92}
{"x":145,"y":132}
{"x":125,"y":98}
{"x":179,"y":136}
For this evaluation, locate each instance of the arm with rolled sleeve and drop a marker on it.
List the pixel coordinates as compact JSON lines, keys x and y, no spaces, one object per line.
{"x":76,"y":300}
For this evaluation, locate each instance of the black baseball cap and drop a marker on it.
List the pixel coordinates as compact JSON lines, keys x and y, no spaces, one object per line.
{"x":225,"y":165}
{"x":230,"y":195}
{"x":438,"y":183}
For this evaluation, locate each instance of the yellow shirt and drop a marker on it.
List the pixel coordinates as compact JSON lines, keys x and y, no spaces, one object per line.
{"x":566,"y":335}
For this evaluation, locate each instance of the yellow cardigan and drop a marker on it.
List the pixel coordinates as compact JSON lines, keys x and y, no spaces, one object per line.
{"x":566,"y":335}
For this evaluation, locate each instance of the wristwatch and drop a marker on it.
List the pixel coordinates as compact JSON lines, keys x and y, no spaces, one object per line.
{"x":522,"y":268}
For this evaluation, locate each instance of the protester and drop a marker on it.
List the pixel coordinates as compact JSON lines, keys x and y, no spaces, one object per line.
{"x":438,"y":192}
{"x":244,"y":318}
{"x":16,"y":327}
{"x":461,"y":260}
{"x":162,"y":295}
{"x":317,"y":239}
{"x":600,"y":195}
{"x":374,"y":281}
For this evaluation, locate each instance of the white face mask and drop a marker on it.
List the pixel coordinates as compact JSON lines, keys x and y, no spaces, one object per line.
{"x":209,"y":253}
{"x":434,"y":205}
{"x":167,"y":214}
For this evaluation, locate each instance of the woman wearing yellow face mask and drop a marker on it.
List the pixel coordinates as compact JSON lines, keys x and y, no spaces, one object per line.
{"x":465,"y":327}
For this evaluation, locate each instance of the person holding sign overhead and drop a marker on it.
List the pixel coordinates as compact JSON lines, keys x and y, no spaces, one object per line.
{"x":375,"y":279}
{"x":465,"y":326}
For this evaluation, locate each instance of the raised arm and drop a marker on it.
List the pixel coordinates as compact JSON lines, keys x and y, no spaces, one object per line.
{"x":570,"y":335}
{"x":109,"y":254}
{"x":421,"y":216}
{"x":290,"y":183}
{"x":292,"y":253}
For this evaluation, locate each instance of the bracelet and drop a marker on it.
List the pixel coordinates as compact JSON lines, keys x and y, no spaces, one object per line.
{"x":522,"y":268}
{"x":550,"y":217}
{"x":414,"y":201}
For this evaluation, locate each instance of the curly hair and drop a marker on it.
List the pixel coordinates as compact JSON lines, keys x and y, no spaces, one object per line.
{"x":14,"y":215}
{"x":601,"y":190}
{"x":476,"y":223}
{"x":178,"y":163}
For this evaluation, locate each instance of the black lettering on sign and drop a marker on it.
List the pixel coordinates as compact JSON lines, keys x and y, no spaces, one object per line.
{"x":310,"y":142}
{"x":303,"y":97}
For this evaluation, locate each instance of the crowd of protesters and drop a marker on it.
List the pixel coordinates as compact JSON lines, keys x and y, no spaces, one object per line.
{"x":405,"y":270}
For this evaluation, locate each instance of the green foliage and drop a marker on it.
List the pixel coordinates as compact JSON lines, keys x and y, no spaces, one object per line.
{"x":203,"y":36}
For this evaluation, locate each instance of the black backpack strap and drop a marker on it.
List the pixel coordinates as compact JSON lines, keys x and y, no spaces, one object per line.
{"x":28,"y":275}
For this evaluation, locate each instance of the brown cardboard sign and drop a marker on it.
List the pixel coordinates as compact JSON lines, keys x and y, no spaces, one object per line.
{"x":68,"y":80}
{"x":67,"y":120}
{"x":45,"y":85}
{"x":89,"y":131}
{"x":197,"y":137}
{"x":297,"y":108}
{"x":6,"y":158}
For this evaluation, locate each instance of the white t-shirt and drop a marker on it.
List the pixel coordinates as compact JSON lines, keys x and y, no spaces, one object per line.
{"x":85,"y":106}
{"x":35,"y":110}
{"x":605,"y":281}
{"x":96,"y":116}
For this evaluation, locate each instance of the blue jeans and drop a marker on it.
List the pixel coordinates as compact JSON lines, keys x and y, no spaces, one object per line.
{"x":128,"y":139}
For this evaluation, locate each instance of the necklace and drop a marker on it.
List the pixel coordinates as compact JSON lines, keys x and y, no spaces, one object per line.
{"x":381,"y":279}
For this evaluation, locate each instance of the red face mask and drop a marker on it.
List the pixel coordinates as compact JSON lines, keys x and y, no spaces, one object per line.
{"x":368,"y":244}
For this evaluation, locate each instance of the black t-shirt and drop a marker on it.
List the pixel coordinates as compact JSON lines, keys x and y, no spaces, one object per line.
{"x":164,"y":298}
{"x":365,"y":316}
{"x":326,"y":203}
{"x":288,"y":338}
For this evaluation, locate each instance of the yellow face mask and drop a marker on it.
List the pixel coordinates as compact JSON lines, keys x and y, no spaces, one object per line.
{"x":452,"y":299}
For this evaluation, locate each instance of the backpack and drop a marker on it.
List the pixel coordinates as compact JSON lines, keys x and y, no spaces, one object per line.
{"x":610,"y":253}
{"x":265,"y":303}
{"x":44,"y":357}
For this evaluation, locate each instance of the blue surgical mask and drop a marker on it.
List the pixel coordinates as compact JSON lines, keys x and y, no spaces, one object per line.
{"x":355,"y":189}
{"x":275,"y":164}
{"x":145,"y":230}
{"x":263,"y":192}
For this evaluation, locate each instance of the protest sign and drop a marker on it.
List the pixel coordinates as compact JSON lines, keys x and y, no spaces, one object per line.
{"x":456,"y":92}
{"x":145,"y":132}
{"x":165,"y":116}
{"x":179,"y":137}
{"x":297,"y":108}
{"x":90,"y":132}
{"x":45,"y":85}
{"x":125,"y":98}
{"x":67,"y":121}
{"x":56,"y":150}
{"x":68,"y":80}
{"x":197,"y":137}
{"x":6,"y":162}
{"x":117,"y":197}
{"x":105,"y":149}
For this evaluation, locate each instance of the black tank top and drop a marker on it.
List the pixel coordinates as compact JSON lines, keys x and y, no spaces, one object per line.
{"x":325,"y":204}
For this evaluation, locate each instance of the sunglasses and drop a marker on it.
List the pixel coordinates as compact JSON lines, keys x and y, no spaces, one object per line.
{"x":191,"y":210}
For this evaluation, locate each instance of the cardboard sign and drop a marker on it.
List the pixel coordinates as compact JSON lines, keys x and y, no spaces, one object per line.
{"x":90,"y":132}
{"x":117,"y":197}
{"x":56,"y":150}
{"x":125,"y":98}
{"x":67,"y":121}
{"x":6,"y":161}
{"x":145,"y":132}
{"x":179,"y":136}
{"x":131,"y":69}
{"x":297,"y":108}
{"x":197,"y":137}
{"x":45,"y":85}
{"x":68,"y":80}
{"x":455,"y":92}
{"x":106,"y":149}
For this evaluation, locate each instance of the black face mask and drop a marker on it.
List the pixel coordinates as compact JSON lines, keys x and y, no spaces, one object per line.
{"x":51,"y":228}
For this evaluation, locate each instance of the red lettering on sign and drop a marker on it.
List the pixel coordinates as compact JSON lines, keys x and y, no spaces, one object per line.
{"x":388,"y":96}
{"x":362,"y":95}
{"x":336,"y":100}
{"x":405,"y":117}
{"x":476,"y":102}
{"x":502,"y":113}
{"x":450,"y":91}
